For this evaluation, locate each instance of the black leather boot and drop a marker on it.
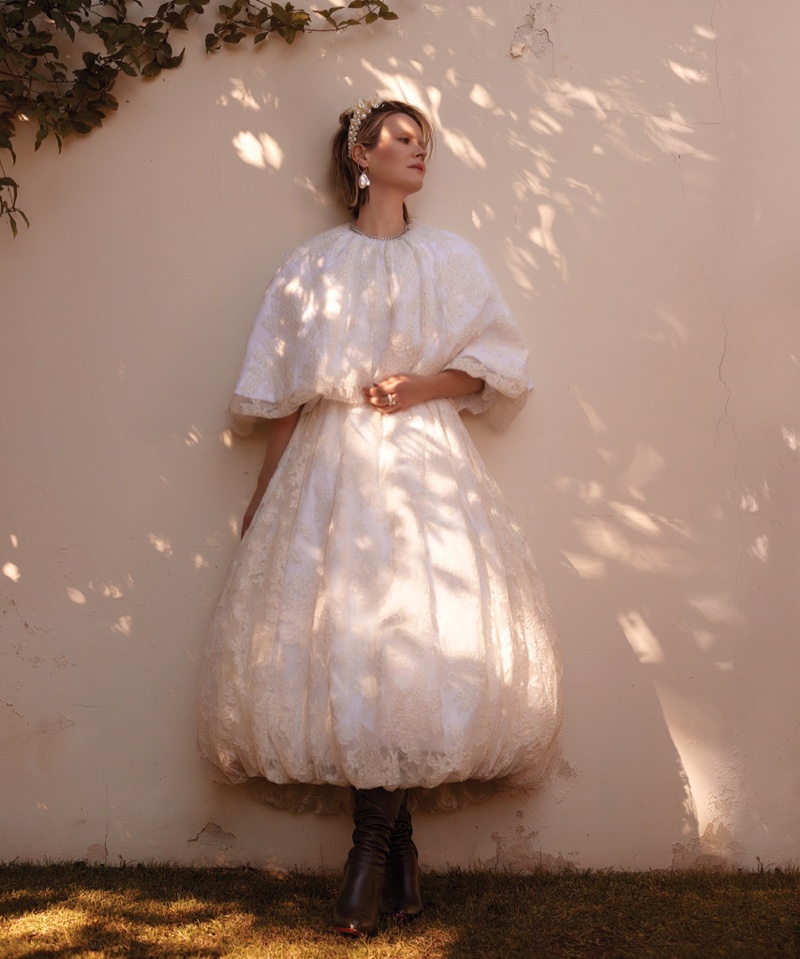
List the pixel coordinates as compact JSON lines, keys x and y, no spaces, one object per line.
{"x":401,"y":890}
{"x":356,"y":910}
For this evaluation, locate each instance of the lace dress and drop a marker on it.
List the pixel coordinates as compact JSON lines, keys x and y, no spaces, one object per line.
{"x":383,"y":623}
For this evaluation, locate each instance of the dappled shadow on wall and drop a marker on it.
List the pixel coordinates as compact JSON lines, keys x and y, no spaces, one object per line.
{"x":543,"y":172}
{"x":554,"y":176}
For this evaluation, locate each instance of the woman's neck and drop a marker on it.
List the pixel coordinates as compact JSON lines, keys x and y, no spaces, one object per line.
{"x":382,"y":216}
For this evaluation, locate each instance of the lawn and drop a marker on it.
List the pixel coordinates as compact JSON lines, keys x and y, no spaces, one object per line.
{"x":74,"y":910}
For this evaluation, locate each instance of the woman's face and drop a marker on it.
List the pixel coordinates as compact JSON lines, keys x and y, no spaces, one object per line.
{"x":397,"y":161}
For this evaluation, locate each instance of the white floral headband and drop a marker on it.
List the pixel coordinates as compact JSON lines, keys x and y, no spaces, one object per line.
{"x":361,"y":111}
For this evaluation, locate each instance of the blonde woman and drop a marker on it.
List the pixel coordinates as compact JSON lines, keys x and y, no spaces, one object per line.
{"x":383,"y":640}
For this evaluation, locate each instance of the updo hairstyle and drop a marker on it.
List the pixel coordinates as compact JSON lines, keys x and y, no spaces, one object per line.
{"x":345,"y":170}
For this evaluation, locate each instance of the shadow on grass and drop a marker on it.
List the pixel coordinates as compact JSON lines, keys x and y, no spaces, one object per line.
{"x":74,"y":910}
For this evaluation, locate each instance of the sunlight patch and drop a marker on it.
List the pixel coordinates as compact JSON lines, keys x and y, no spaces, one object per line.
{"x":123,"y":625}
{"x":641,"y":638}
{"x":260,"y":151}
{"x":160,"y":543}
{"x":687,"y":74}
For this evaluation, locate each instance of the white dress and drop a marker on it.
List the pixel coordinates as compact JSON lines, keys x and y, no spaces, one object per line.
{"x":383,"y":623}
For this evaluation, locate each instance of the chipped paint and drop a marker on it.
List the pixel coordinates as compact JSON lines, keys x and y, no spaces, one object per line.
{"x":716,"y":849}
{"x":565,"y":771}
{"x":214,"y":835}
{"x":519,"y":850}
{"x":532,"y":36}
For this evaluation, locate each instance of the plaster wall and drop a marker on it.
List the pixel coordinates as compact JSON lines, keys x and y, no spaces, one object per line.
{"x":630,"y":176}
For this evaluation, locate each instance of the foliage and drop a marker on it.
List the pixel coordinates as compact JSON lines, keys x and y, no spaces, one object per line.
{"x":60,"y":59}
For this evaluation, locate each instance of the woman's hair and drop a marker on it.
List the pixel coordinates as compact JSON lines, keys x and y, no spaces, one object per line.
{"x":344,"y":169}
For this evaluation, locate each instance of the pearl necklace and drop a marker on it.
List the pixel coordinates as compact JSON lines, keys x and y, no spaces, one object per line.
{"x":369,"y":236}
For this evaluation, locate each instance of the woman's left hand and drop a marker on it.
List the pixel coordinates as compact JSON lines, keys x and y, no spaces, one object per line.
{"x":404,"y":390}
{"x":397,"y":393}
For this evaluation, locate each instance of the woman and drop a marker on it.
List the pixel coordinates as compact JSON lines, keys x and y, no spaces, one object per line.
{"x":382,"y":628}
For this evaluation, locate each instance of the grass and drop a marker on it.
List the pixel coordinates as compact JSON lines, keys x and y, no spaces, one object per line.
{"x":74,"y":910}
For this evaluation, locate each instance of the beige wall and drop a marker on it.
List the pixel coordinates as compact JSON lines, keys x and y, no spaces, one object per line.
{"x":632,"y":180}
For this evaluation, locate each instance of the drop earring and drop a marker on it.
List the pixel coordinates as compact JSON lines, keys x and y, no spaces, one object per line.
{"x":363,"y":179}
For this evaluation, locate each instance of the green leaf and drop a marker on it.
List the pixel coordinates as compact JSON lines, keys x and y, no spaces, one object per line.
{"x":5,"y":144}
{"x":151,"y":70}
{"x":85,"y":117}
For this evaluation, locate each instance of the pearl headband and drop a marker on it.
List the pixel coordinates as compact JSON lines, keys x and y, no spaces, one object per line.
{"x":361,"y":111}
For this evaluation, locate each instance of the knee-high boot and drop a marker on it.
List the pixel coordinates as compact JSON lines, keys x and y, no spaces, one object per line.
{"x":356,"y":910}
{"x":401,"y":890}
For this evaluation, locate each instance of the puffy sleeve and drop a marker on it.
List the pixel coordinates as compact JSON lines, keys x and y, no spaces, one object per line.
{"x":278,"y":373}
{"x":489,"y":344}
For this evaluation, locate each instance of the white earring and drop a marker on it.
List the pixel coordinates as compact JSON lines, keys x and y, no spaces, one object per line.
{"x":363,"y":180}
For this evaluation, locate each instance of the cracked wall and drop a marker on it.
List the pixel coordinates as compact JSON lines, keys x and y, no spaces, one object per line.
{"x":628,"y":173}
